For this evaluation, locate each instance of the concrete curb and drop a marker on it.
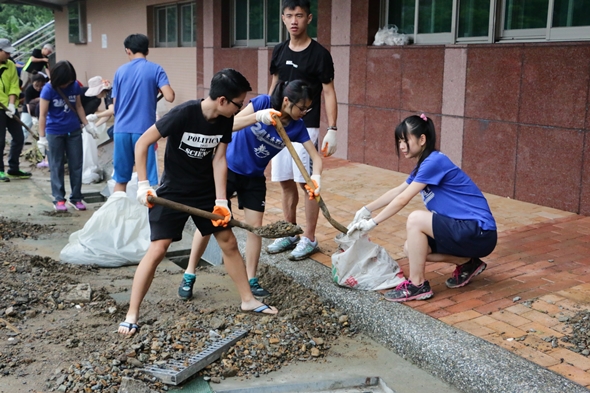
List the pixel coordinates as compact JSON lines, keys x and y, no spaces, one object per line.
{"x":465,"y":361}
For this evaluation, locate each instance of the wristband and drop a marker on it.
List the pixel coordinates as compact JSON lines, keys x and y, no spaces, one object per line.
{"x":333,"y":128}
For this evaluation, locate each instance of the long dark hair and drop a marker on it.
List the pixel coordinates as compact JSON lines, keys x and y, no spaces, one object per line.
{"x":417,"y":126}
{"x":62,"y":73}
{"x":295,"y":91}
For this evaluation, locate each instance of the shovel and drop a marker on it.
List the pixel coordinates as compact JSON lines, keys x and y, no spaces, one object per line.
{"x":271,"y":231}
{"x":19,"y":121}
{"x":323,"y":207}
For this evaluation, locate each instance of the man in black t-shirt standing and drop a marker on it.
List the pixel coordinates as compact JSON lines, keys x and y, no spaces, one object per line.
{"x":301,"y":57}
{"x":38,"y":61}
{"x":195,"y":174}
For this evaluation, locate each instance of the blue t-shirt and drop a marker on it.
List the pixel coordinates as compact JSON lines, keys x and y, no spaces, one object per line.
{"x":450,"y":192}
{"x":135,"y":89}
{"x":60,"y":119}
{"x":252,"y":148}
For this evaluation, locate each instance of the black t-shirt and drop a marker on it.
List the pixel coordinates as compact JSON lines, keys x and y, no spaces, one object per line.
{"x":313,"y":64}
{"x":36,"y":66}
{"x":91,"y":104}
{"x":30,"y":94}
{"x":188,"y":161}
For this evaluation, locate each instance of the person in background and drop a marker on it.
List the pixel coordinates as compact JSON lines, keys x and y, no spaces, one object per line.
{"x":301,"y":57}
{"x":38,"y":62}
{"x":135,"y":89}
{"x":60,"y":134}
{"x":98,"y":89}
{"x":9,"y":93}
{"x":31,"y":100}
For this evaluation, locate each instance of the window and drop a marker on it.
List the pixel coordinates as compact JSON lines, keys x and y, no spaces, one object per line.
{"x":174,"y":25}
{"x":77,"y":22}
{"x":258,"y":23}
{"x":452,"y":21}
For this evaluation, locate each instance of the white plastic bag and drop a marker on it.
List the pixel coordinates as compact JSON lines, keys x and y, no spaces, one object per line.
{"x":389,"y":35}
{"x":117,"y":234}
{"x":362,"y":264}
{"x":91,"y":171}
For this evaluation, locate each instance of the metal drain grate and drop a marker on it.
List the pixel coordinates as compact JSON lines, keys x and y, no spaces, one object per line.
{"x":175,"y":372}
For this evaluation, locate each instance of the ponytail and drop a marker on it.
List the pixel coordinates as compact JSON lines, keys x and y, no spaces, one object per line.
{"x":295,"y":91}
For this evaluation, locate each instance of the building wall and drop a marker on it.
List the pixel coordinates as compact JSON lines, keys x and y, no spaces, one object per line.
{"x":513,"y":116}
{"x":116,"y":20}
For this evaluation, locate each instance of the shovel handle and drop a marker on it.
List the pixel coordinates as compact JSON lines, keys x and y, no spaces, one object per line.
{"x":19,"y":121}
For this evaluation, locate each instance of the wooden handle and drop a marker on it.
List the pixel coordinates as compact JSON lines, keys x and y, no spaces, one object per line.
{"x":19,"y":121}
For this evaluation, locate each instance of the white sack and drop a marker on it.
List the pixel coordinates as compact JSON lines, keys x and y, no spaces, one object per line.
{"x":117,"y":234}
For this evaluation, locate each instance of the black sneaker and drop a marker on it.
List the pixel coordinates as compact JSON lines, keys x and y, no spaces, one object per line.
{"x":256,"y":289}
{"x":18,"y":174}
{"x":465,"y":272}
{"x":408,"y":291}
{"x":185,"y":290}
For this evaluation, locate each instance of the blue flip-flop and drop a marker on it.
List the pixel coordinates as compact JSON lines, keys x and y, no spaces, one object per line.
{"x":130,"y":326}
{"x":260,"y":309}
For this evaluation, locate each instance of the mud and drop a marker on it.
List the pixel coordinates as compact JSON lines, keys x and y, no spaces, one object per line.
{"x":278,"y":229}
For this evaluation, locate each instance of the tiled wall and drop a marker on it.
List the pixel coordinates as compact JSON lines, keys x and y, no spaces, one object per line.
{"x":523,"y":131}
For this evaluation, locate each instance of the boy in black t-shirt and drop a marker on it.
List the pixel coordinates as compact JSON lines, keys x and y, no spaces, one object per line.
{"x":195,"y":174}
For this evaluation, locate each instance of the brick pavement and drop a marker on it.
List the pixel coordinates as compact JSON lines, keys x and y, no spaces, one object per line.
{"x":542,"y":258}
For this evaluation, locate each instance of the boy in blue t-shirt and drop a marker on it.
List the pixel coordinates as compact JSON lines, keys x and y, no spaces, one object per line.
{"x":135,"y":89}
{"x":458,"y":227}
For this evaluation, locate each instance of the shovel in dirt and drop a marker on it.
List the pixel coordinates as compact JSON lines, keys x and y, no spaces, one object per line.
{"x":271,"y":231}
{"x":323,"y":207}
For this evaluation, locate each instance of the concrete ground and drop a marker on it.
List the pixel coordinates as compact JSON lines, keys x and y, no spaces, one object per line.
{"x":464,"y":336}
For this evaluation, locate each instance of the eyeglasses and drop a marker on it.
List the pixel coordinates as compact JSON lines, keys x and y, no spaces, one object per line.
{"x":238,"y":105}
{"x":302,"y":110}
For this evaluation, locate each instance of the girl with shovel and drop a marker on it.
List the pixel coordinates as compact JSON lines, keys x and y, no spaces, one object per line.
{"x":250,"y":151}
{"x":458,"y":227}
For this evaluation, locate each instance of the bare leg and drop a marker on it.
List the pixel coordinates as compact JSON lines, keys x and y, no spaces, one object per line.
{"x":120,"y":187}
{"x":253,"y":242}
{"x":290,"y":200}
{"x":418,"y":227}
{"x":234,"y":264}
{"x":312,"y":212}
{"x":197,"y":250}
{"x":143,"y":279}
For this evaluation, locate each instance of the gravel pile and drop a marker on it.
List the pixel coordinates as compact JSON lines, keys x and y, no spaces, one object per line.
{"x":36,"y":318}
{"x":579,"y":339}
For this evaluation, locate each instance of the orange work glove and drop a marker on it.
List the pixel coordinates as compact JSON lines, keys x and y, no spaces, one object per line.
{"x":221,"y":208}
{"x":316,"y":182}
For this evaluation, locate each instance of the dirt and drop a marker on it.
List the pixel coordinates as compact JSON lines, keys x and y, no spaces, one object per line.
{"x":279,"y":229}
{"x":49,"y":343}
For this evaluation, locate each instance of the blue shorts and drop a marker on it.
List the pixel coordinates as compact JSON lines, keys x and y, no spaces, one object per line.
{"x":461,"y":238}
{"x":124,"y":158}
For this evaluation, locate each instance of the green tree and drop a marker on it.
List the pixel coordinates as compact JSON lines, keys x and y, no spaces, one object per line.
{"x":17,"y":21}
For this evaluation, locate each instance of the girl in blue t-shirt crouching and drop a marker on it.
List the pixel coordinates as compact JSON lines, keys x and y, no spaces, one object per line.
{"x":458,"y":227}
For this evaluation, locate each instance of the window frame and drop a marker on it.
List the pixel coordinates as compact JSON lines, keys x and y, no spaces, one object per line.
{"x":178,"y":42}
{"x":496,"y":31}
{"x":81,"y":37}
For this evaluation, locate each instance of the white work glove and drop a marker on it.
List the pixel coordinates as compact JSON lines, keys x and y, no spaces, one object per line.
{"x":92,"y":118}
{"x":91,"y":129}
{"x":10,"y":111}
{"x":222,"y":209}
{"x":363,"y":227}
{"x":329,"y":144}
{"x":42,"y":145}
{"x":143,"y":190}
{"x":317,"y":183}
{"x":264,"y":116}
{"x":362,"y":214}
{"x":35,"y":121}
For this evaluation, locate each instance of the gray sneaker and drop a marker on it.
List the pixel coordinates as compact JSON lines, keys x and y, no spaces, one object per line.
{"x":282,"y":244}
{"x":304,"y":249}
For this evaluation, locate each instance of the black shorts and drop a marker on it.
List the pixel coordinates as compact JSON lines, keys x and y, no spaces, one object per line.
{"x":461,"y":238}
{"x":166,"y":223}
{"x":251,"y":190}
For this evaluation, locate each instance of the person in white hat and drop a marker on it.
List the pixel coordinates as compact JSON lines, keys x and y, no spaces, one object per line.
{"x":97,"y":89}
{"x":9,"y":92}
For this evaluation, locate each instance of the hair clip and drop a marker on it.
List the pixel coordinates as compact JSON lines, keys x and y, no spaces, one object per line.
{"x":423,"y":117}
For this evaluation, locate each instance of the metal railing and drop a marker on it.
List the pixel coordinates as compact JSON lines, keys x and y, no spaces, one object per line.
{"x":36,"y":39}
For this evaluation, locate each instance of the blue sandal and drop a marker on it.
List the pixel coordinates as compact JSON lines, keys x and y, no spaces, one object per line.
{"x":130,"y":326}
{"x":260,"y":309}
